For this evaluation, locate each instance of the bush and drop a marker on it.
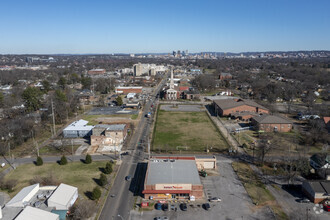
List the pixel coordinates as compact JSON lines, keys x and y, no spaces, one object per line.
{"x":108,"y":168}
{"x":83,"y":209}
{"x":49,"y":180}
{"x":39,"y":161}
{"x":88,"y":159}
{"x":9,"y":185}
{"x":96,"y":194}
{"x":63,"y":160}
{"x":103,"y":180}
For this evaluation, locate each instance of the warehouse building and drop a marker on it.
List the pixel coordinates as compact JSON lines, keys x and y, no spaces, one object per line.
{"x":24,"y":196}
{"x":30,"y":213}
{"x":172,"y":179}
{"x":63,"y":197}
{"x":78,"y":129}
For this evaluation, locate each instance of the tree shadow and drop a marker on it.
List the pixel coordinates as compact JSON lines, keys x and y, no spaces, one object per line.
{"x":102,"y":169}
{"x":88,"y":194}
{"x":98,"y":182}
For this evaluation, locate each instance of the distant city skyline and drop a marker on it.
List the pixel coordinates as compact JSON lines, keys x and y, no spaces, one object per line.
{"x":106,"y":27}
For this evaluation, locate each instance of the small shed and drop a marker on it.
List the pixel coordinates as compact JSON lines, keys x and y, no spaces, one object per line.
{"x":63,"y":197}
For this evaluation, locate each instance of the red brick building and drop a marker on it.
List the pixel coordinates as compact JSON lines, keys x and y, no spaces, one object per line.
{"x":225,"y":76}
{"x":96,"y":71}
{"x":270,"y":123}
{"x":168,"y":179}
{"x":126,"y":90}
{"x":229,"y":107}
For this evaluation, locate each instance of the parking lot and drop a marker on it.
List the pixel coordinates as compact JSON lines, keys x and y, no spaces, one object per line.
{"x":112,"y":111}
{"x":183,"y":108}
{"x":235,"y":203}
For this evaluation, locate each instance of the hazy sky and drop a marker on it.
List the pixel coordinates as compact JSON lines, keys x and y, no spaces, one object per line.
{"x":122,"y":26}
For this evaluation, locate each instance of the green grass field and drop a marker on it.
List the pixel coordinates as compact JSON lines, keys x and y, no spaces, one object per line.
{"x":76,"y":174}
{"x":193,"y":131}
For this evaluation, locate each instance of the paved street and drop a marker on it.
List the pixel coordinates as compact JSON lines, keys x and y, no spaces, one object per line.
{"x":118,"y":207}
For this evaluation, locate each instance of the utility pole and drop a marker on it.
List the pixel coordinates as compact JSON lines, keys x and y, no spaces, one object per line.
{"x":54,"y":130}
{"x":72,"y":148}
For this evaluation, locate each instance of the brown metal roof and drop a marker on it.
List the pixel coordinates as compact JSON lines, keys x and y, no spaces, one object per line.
{"x":271,"y":119}
{"x":232,"y":103}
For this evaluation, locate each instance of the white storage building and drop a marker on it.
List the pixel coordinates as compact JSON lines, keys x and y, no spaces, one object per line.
{"x":63,"y":197}
{"x":30,"y":213}
{"x":78,"y":129}
{"x":23,"y":196}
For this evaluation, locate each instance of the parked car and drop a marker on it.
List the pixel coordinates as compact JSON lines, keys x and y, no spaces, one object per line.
{"x":215,"y":199}
{"x":128,"y":178}
{"x":158,"y":206}
{"x":183,"y":206}
{"x":165,"y":207}
{"x":303,"y":200}
{"x":326,"y":205}
{"x":206,"y":206}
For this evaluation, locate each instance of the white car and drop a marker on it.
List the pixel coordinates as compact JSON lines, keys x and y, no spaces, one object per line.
{"x":215,"y":199}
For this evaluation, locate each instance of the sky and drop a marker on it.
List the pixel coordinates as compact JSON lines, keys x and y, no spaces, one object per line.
{"x":161,"y":26}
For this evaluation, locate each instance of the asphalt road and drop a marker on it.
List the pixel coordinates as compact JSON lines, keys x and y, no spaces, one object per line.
{"x":119,"y":206}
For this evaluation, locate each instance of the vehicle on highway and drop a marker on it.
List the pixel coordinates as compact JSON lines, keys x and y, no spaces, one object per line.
{"x":128,"y":178}
{"x":165,"y":207}
{"x":158,"y":206}
{"x":183,"y":206}
{"x":215,"y":199}
{"x":206,"y":206}
{"x":157,"y":218}
{"x":113,"y":195}
{"x":165,"y":218}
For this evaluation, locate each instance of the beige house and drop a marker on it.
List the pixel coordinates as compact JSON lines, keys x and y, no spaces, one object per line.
{"x":109,"y":137}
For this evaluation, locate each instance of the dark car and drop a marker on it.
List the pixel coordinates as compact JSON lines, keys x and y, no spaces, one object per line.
{"x":158,"y":206}
{"x":128,"y":178}
{"x":165,"y":207}
{"x":206,"y":206}
{"x":183,"y":206}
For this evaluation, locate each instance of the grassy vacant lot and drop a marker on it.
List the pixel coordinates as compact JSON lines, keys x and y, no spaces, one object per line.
{"x":176,"y":130}
{"x":76,"y":174}
{"x":257,"y":191}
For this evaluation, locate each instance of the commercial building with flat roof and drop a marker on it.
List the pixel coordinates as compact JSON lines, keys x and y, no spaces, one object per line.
{"x":63,"y":197}
{"x":78,"y":129}
{"x":172,"y":179}
{"x":30,"y":213}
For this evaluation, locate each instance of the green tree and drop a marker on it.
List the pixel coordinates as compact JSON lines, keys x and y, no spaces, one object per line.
{"x":88,"y":159}
{"x":63,"y":160}
{"x":59,"y":95}
{"x":61,"y":82}
{"x":103,"y":180}
{"x":32,"y":98}
{"x":108,"y":168}
{"x":119,"y":101}
{"x":96,"y":193}
{"x":46,"y":85}
{"x":39,"y":161}
{"x":86,"y":82}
